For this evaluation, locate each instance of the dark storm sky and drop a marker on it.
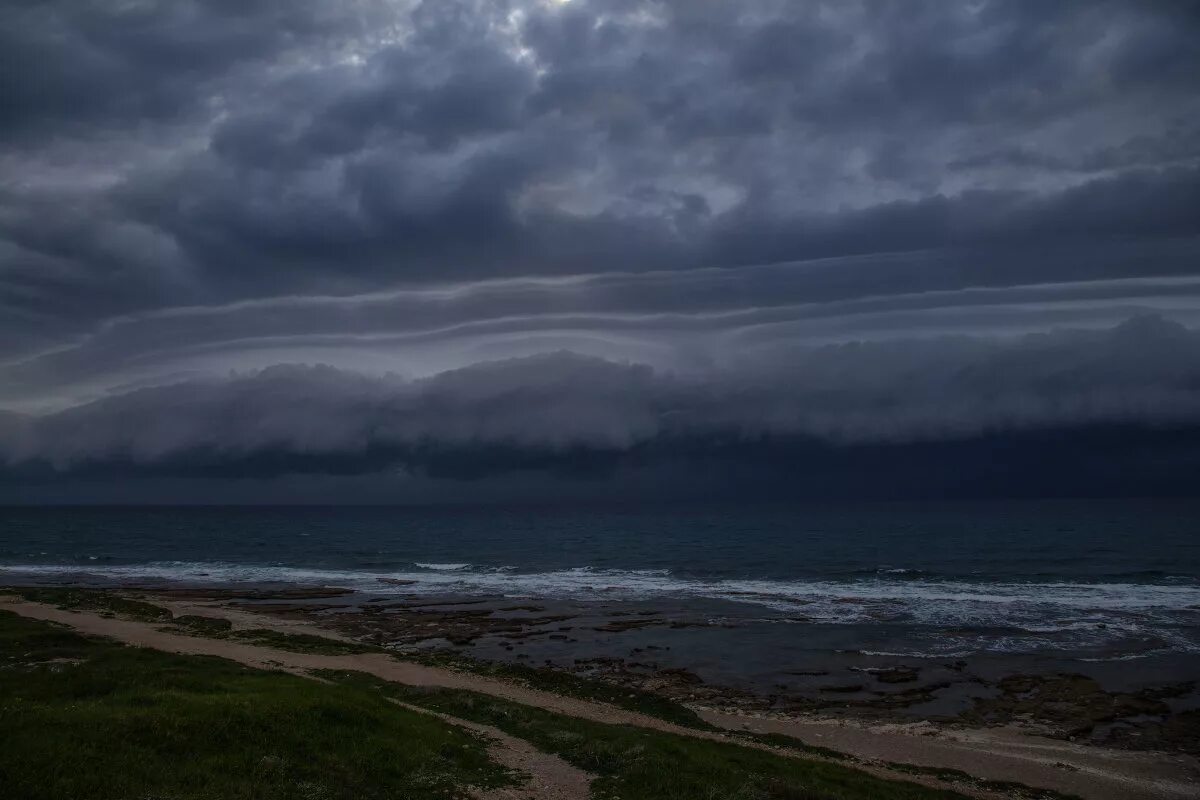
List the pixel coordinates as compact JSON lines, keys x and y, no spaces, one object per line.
{"x":449,"y":250}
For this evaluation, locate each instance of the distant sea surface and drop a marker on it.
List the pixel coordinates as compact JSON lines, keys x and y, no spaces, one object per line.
{"x":1082,"y":580}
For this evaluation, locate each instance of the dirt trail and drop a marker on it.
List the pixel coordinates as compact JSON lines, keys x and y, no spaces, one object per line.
{"x":1091,"y":773}
{"x":995,"y":754}
{"x":549,"y":777}
{"x":380,"y":665}
{"x":383,"y":666}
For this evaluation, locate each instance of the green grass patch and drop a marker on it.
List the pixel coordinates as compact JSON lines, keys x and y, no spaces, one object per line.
{"x":219,"y":628}
{"x":204,"y":626}
{"x":109,"y":603}
{"x":302,"y":642}
{"x":546,"y":679}
{"x":1007,"y":788}
{"x":551,"y":680}
{"x":638,"y":764}
{"x":97,"y":600}
{"x":570,"y":685}
{"x":783,"y":741}
{"x":85,"y":718}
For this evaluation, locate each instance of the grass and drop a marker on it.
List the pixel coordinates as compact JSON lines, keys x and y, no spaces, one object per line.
{"x":220,"y":628}
{"x":1007,"y":788}
{"x":785,"y":742}
{"x":109,"y":603}
{"x":300,"y":642}
{"x":83,"y":718}
{"x":638,"y":764}
{"x":203,"y":626}
{"x":1012,"y":789}
{"x":570,"y":685}
{"x":135,"y":723}
{"x":98,"y":600}
{"x":550,"y":680}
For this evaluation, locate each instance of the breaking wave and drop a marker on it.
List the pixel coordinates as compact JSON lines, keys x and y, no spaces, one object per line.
{"x":1032,"y":608}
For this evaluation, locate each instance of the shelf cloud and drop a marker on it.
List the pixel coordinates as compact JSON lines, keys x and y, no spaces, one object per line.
{"x":678,"y":244}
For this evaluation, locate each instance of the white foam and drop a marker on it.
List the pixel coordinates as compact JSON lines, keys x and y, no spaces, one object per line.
{"x":647,"y":583}
{"x":917,"y":653}
{"x":1025,"y":613}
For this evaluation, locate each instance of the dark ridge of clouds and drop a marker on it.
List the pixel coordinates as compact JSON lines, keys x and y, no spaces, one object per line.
{"x":678,"y":320}
{"x":1093,"y":461}
{"x":1133,"y":205}
{"x":567,"y":413}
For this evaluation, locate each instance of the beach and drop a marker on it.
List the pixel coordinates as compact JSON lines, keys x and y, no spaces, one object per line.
{"x":1064,"y":656}
{"x":1059,"y":737}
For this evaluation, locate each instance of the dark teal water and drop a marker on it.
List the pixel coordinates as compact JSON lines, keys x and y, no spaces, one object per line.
{"x":1094,"y":579}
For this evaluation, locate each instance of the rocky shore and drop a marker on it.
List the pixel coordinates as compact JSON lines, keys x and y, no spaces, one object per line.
{"x":642,"y":649}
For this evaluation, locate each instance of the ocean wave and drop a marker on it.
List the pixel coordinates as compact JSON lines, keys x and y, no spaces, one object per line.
{"x":951,"y":653}
{"x":650,"y":583}
{"x":1014,"y":614}
{"x":1129,"y":656}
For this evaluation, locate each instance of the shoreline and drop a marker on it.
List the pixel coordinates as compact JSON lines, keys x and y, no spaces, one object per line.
{"x":645,"y":648}
{"x":987,"y":749}
{"x":688,"y":655}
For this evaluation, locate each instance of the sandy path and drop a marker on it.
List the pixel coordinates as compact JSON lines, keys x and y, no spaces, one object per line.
{"x":1091,"y":773}
{"x":380,"y":665}
{"x":383,"y":666}
{"x":550,"y":778}
{"x":996,"y":754}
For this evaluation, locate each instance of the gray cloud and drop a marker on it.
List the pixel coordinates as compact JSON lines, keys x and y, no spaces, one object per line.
{"x":78,"y":69}
{"x":672,"y":320}
{"x":180,"y":153}
{"x":504,"y":414}
{"x":434,"y":188}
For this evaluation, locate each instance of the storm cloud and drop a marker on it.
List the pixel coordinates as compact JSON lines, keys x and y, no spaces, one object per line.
{"x":565,"y":413}
{"x":477,"y":239}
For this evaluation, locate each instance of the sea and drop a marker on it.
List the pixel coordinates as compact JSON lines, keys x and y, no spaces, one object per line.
{"x":1078,"y":581}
